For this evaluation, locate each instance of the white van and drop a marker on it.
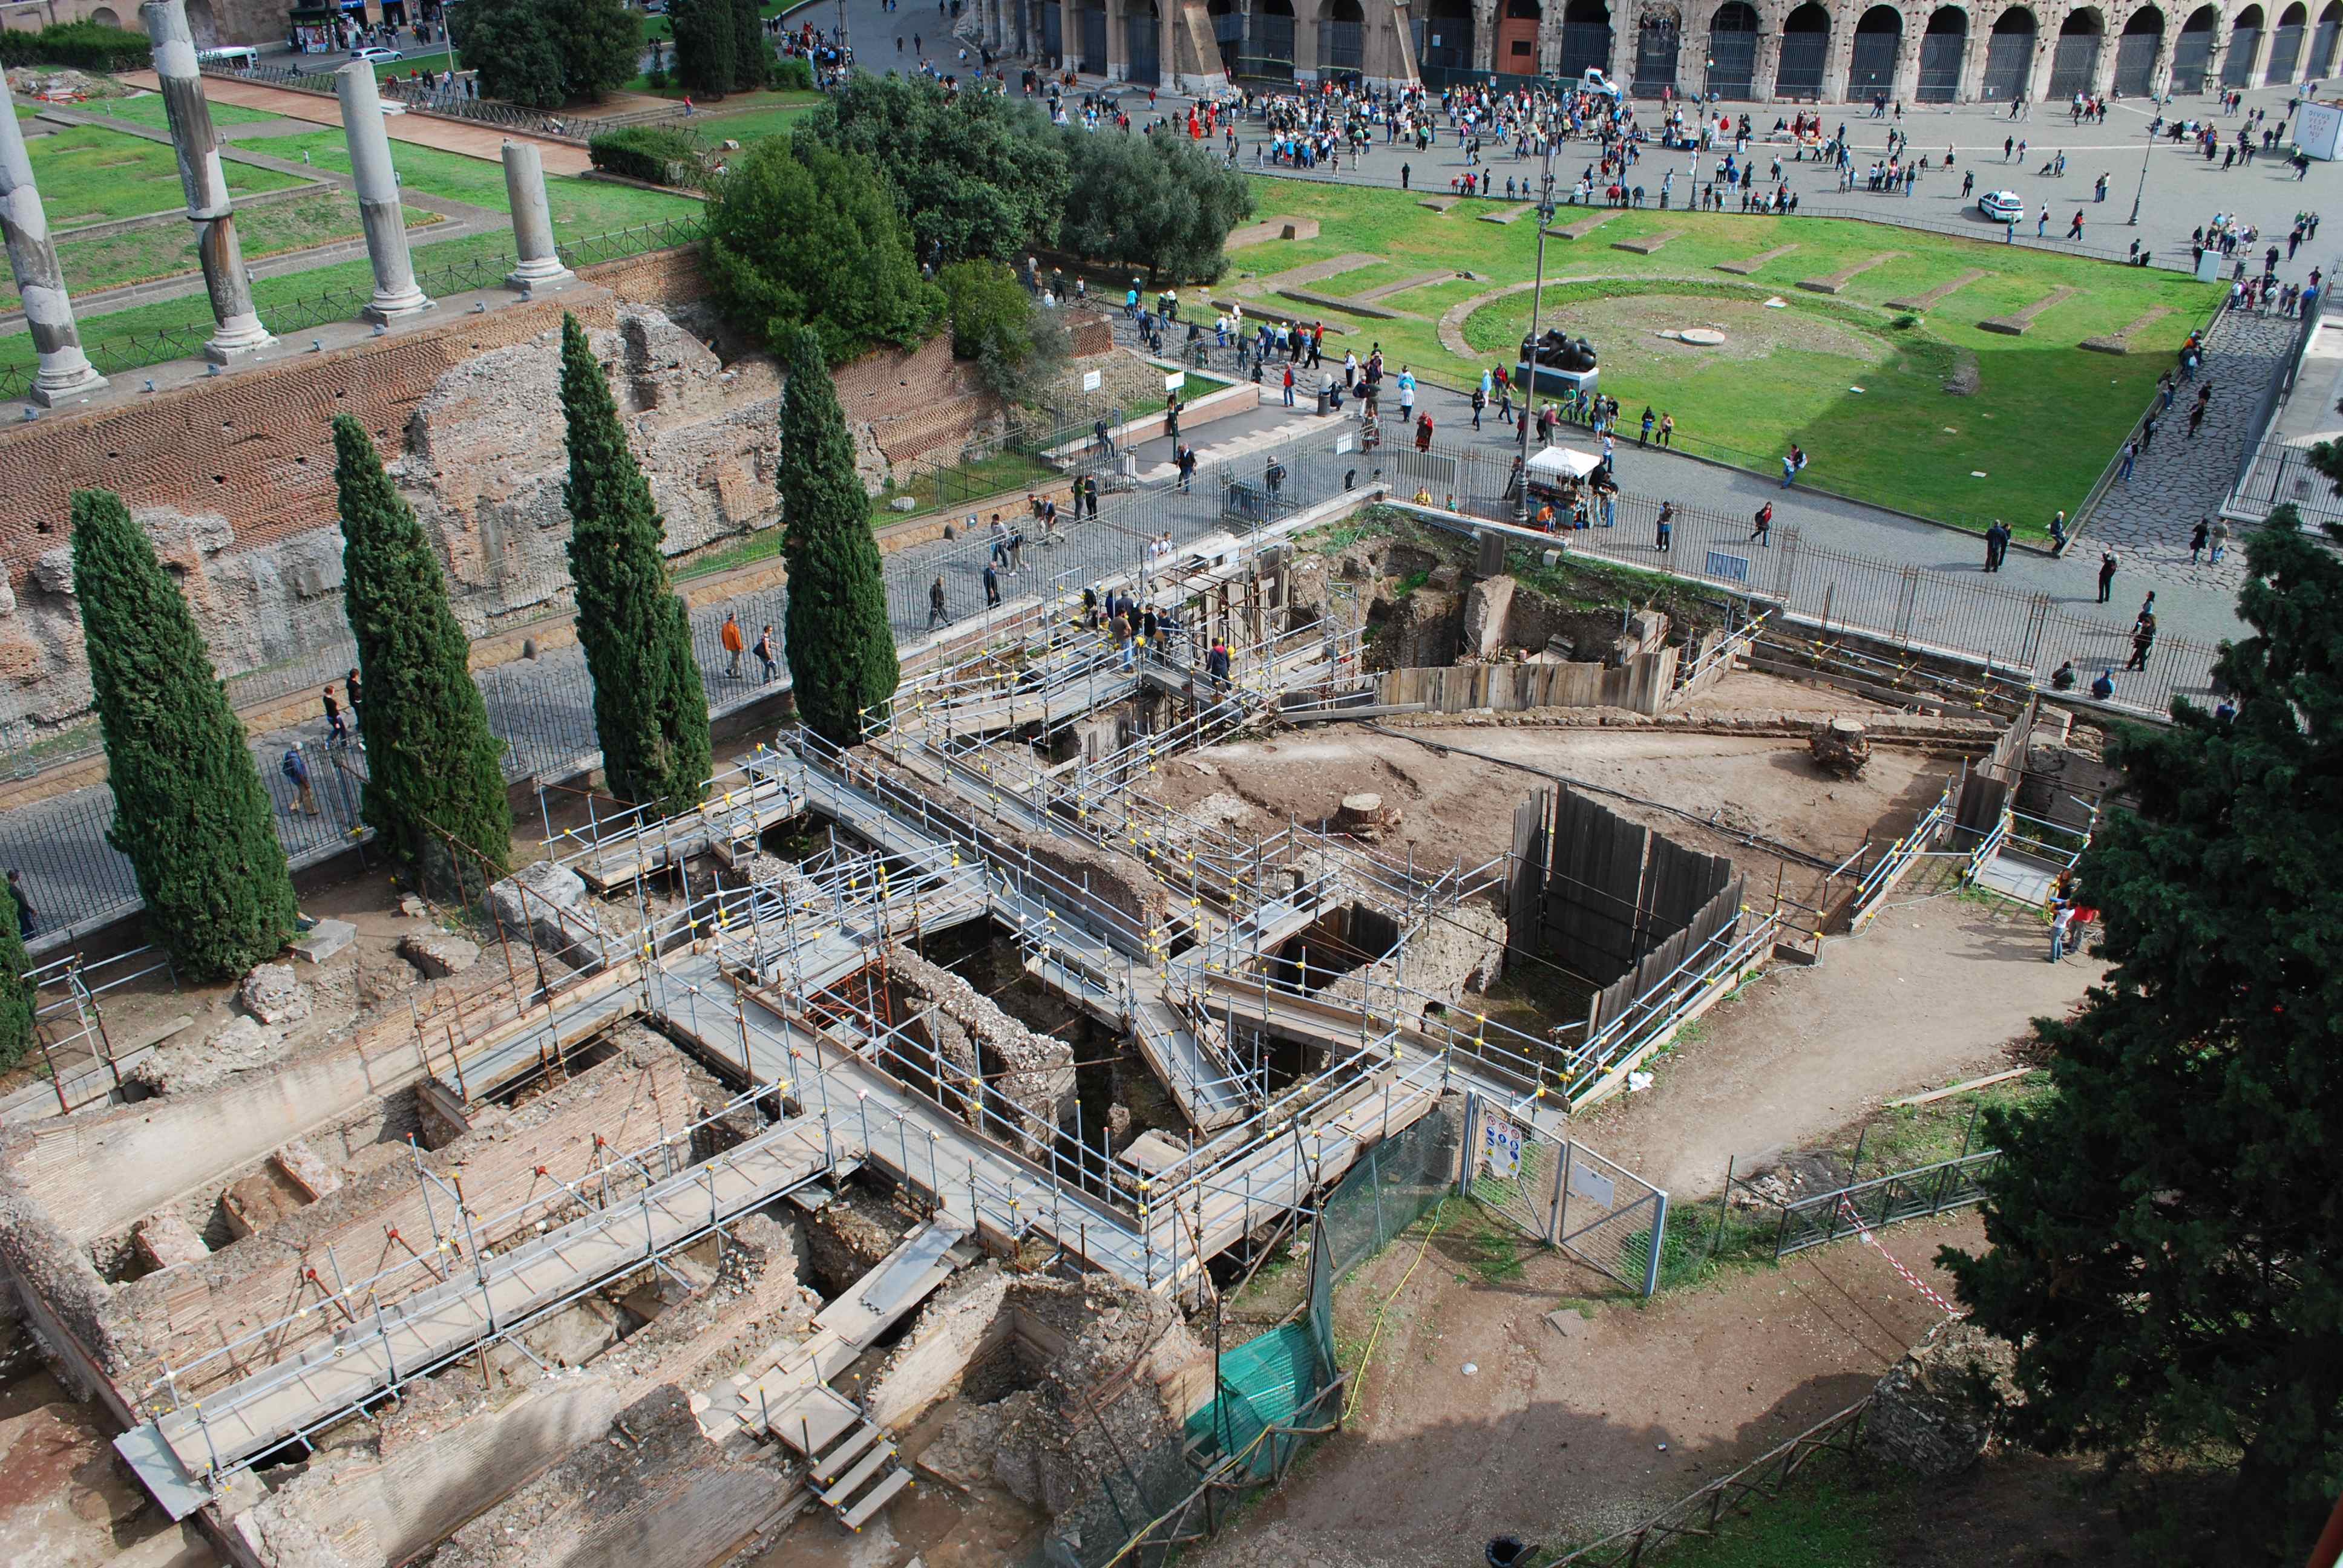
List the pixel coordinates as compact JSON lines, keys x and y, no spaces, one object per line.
{"x":234,"y":57}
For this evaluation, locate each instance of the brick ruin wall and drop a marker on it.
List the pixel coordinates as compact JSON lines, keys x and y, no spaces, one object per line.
{"x":234,"y":477}
{"x":380,"y":1219}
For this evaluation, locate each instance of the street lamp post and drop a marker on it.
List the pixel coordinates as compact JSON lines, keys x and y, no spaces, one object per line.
{"x":2145,"y":153}
{"x":1529,"y":387}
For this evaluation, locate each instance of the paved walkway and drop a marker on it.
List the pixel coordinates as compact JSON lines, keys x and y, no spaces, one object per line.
{"x":422,"y":130}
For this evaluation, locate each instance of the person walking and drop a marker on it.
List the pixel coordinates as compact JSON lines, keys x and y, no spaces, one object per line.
{"x":735,"y":645}
{"x":1666,"y":526}
{"x":2197,"y":539}
{"x":1764,"y":525}
{"x":1997,"y":545}
{"x":1090,"y":495}
{"x":1480,"y":402}
{"x":1789,"y":467}
{"x":765,"y":654}
{"x":991,"y":587}
{"x":1289,"y":386}
{"x":936,"y":616}
{"x":336,"y":732}
{"x":2130,"y":457}
{"x":2221,"y":539}
{"x":1424,"y":431}
{"x":296,"y":769}
{"x":2107,"y":564}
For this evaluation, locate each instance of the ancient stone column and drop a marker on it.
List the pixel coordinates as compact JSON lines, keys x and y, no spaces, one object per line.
{"x":64,"y":370}
{"x":190,"y":115}
{"x":540,"y":265}
{"x":395,"y":291}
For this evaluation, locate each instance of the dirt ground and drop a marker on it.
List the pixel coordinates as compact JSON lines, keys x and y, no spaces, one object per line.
{"x":1555,"y":1437}
{"x":1459,"y":808}
{"x":65,"y":1500}
{"x":1932,"y":993}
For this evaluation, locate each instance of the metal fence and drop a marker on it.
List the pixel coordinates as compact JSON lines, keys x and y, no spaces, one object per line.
{"x":1566,"y":1195}
{"x":447,"y":104}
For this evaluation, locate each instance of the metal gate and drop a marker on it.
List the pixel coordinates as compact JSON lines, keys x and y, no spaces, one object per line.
{"x":1269,"y":45}
{"x":1586,"y":46}
{"x":2192,"y":60}
{"x":2135,"y":64}
{"x":2322,"y":49}
{"x":1142,"y":47}
{"x":1342,"y":46}
{"x":1803,"y":57}
{"x":1566,"y":1195}
{"x":2008,"y":56}
{"x":2286,"y":49}
{"x":2071,"y":65}
{"x":1053,"y":32}
{"x":1733,"y":72}
{"x":1872,"y":70}
{"x":1655,"y":58}
{"x":1940,"y":66}
{"x":1094,"y":40}
{"x":2237,"y":68}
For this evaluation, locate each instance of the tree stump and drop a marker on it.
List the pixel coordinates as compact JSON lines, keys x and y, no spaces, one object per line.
{"x":1363,"y":816}
{"x":1840,"y":747}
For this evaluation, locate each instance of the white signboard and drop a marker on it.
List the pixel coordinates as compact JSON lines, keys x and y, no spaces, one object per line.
{"x":2319,"y":129}
{"x":1173,"y":382}
{"x":1594,"y":1186}
{"x":1091,"y":380}
{"x":1500,"y":1148}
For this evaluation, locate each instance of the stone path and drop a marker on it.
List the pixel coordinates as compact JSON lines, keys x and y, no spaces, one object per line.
{"x":2146,"y":519}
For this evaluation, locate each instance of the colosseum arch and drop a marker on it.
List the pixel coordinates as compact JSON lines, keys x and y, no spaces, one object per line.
{"x":1943,"y":46}
{"x":1518,"y":22}
{"x":1585,"y":36}
{"x":2286,"y":44}
{"x":2192,"y":49}
{"x":2074,"y":59}
{"x":202,"y":24}
{"x":2323,"y":39}
{"x":1878,"y":39}
{"x":1730,"y":68}
{"x":2243,"y":53}
{"x":2009,"y":55}
{"x":1341,"y":38}
{"x":106,"y":16}
{"x":2136,"y":49}
{"x":1659,"y":39}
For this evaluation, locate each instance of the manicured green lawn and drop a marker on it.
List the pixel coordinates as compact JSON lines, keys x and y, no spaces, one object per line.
{"x":146,"y":109}
{"x":579,"y":206}
{"x":88,"y":173}
{"x":745,"y":116}
{"x":161,"y":249}
{"x":2041,"y":424}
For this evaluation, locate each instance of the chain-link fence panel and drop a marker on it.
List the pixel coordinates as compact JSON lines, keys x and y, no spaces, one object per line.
{"x":1392,"y":1186}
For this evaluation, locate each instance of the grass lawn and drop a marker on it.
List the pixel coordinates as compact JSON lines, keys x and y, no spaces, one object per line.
{"x":755,"y":115}
{"x":579,"y":206}
{"x":146,"y":109}
{"x":2043,"y":422}
{"x":161,"y":249}
{"x":88,"y":173}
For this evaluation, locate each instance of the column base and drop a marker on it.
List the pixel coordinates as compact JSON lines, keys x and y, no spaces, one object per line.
{"x":52,"y":385}
{"x":389,"y":307}
{"x":532,"y":278}
{"x":238,"y":336}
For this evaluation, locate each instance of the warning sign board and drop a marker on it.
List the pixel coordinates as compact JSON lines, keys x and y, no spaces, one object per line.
{"x":1500,"y":1148}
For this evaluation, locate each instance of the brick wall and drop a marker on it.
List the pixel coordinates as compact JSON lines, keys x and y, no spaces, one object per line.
{"x":629,"y":1101}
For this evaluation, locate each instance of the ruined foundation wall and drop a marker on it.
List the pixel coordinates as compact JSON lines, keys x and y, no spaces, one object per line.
{"x":388,"y":1216}
{"x":1029,"y":1078}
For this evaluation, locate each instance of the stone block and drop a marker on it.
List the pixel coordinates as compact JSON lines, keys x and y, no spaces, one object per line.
{"x":307,"y":1169}
{"x":274,"y":995}
{"x":164,"y":1240}
{"x":189,"y":1067}
{"x":1485,"y":612}
{"x":438,"y":954}
{"x":324,"y":939}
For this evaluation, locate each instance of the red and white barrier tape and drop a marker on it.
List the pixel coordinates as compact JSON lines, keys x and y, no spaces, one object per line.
{"x":1910,"y":1278}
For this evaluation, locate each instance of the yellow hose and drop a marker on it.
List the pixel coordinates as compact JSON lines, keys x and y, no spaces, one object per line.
{"x":1357,"y":1384}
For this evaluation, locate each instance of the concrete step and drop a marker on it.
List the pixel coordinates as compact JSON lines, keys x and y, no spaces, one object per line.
{"x":876,"y":1499}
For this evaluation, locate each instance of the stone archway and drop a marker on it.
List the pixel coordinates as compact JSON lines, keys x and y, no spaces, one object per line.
{"x":1585,"y":37}
{"x":202,"y":26}
{"x":2237,"y":65}
{"x":1805,"y":52}
{"x":106,"y":16}
{"x":1659,"y":38}
{"x":2286,"y":44}
{"x":2323,"y":39}
{"x":1518,"y":22}
{"x":2074,"y":60}
{"x":2136,"y":51}
{"x":2192,"y":52}
{"x":1729,"y":70}
{"x":1342,"y":39}
{"x":2009,"y":55}
{"x":1878,"y":39}
{"x":1942,"y":49}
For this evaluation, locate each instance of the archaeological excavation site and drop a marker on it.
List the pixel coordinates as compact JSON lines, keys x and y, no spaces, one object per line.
{"x":872,"y":1149}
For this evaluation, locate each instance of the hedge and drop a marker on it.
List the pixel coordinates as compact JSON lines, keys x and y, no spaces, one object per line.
{"x":793,"y":75}
{"x":652,"y":153}
{"x":84,"y":45}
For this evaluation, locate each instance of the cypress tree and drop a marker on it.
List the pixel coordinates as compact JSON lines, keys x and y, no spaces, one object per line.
{"x":649,"y":708}
{"x":431,"y":761}
{"x":841,"y":650}
{"x":189,"y":810}
{"x":16,"y":996}
{"x":752,"y":56}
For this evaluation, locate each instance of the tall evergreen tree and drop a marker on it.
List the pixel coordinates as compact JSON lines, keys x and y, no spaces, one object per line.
{"x":16,"y":997}
{"x":431,"y":761}
{"x":2167,"y":1249}
{"x":707,"y":53}
{"x":189,"y":810}
{"x":649,"y":708}
{"x":752,"y":54}
{"x":841,"y":650}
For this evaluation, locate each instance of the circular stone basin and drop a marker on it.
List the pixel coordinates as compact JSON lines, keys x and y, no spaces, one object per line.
{"x":1701,"y":337}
